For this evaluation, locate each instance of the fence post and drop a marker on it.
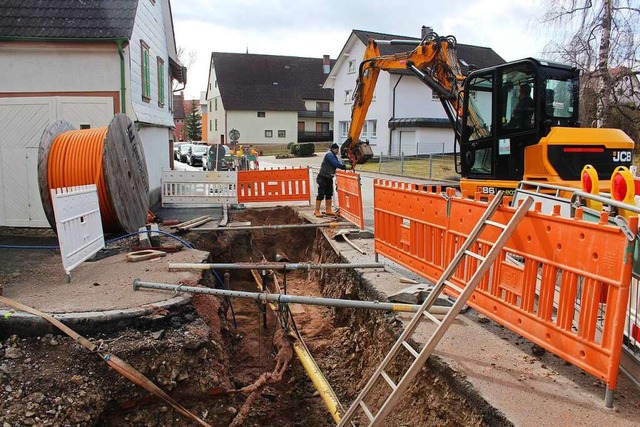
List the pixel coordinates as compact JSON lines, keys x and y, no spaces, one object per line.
{"x":430,"y":165}
{"x":380,"y":162}
{"x":402,"y":163}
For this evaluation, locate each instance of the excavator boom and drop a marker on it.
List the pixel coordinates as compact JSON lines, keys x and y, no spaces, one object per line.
{"x":434,"y":61}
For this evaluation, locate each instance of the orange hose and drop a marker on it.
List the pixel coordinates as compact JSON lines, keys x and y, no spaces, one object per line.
{"x":75,"y":158}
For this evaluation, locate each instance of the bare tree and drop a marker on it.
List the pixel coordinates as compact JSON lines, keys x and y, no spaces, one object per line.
{"x":602,"y":38}
{"x":187,"y":59}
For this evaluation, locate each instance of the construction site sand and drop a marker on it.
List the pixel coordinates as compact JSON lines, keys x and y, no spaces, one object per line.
{"x":102,"y":285}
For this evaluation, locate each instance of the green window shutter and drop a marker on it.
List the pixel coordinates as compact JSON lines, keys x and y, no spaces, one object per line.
{"x":161,"y":82}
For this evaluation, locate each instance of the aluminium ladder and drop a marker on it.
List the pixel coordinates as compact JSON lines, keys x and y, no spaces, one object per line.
{"x":375,"y":418}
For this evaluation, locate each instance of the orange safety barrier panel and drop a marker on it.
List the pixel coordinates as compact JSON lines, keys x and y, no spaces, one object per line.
{"x":350,"y":197}
{"x":274,"y":185}
{"x":410,"y":225}
{"x":555,"y":281}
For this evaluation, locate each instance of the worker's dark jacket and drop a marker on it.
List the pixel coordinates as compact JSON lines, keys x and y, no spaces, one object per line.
{"x":329,"y":165}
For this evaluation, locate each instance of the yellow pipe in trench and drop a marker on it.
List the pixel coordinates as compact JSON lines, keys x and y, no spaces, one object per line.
{"x":319,"y":381}
{"x":313,"y":371}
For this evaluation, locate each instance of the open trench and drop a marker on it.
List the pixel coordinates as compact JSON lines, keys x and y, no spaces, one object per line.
{"x":219,"y":359}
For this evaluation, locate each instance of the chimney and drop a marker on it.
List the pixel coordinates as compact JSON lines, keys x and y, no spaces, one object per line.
{"x":425,"y":31}
{"x":326,"y":64}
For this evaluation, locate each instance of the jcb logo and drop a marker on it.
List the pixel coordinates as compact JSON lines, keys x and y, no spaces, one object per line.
{"x":622,"y":156}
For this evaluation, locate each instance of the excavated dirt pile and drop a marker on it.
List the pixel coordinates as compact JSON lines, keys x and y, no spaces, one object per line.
{"x":228,"y":361}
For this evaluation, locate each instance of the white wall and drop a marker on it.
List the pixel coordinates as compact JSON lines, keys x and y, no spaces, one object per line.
{"x":216,"y":112}
{"x":149,"y":27}
{"x":252,"y":128}
{"x":155,"y":154}
{"x":59,"y":67}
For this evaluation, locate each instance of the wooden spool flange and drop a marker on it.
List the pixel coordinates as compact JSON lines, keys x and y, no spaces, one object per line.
{"x":124,"y":168}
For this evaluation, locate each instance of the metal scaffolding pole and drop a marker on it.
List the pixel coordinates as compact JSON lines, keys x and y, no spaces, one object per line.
{"x":289,"y":299}
{"x":275,"y":227}
{"x":268,"y":266}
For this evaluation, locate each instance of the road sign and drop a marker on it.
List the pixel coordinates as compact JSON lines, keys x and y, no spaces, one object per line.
{"x":234,"y":135}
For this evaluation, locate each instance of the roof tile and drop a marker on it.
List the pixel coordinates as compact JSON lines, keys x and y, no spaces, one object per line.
{"x":67,"y":19}
{"x":269,"y":82}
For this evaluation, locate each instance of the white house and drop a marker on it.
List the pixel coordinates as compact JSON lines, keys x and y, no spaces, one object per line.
{"x":404,"y":116}
{"x":268,"y":99}
{"x":81,"y":61}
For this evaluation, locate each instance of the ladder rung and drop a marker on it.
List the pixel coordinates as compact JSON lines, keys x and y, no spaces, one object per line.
{"x":366,"y":411}
{"x":495,"y":224}
{"x":388,"y":379}
{"x":410,"y":349}
{"x":453,"y":286}
{"x":474,"y":255}
{"x":431,"y":317}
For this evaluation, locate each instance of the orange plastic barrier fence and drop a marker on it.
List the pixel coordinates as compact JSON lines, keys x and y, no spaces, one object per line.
{"x":554,"y":282}
{"x":274,"y":185}
{"x":410,"y":225}
{"x":350,"y":197}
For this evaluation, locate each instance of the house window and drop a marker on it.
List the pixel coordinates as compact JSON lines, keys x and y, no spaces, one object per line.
{"x":85,"y":126}
{"x":261,"y":114}
{"x":347,"y":96}
{"x":268,"y":133}
{"x":210,"y":127}
{"x":161,"y":89}
{"x":216,"y":122}
{"x":215,"y":102}
{"x":365,"y":129}
{"x":282,"y":134}
{"x":300,"y":126}
{"x":435,"y":96}
{"x":322,"y":106}
{"x":344,"y":129}
{"x":146,"y":74}
{"x":322,"y":127}
{"x":352,"y":66}
{"x":373,"y":127}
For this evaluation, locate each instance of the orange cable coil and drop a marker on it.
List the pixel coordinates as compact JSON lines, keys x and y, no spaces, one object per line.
{"x":75,"y":158}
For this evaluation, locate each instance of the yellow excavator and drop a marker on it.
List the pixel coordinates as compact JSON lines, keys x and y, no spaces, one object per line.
{"x":512,"y":122}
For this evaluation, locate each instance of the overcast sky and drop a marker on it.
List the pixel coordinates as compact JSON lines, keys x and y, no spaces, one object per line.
{"x":312,"y":28}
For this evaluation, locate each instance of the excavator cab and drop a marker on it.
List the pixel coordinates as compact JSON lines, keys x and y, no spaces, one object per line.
{"x":520,"y":121}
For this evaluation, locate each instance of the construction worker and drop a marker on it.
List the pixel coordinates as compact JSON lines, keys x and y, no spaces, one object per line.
{"x":325,"y":180}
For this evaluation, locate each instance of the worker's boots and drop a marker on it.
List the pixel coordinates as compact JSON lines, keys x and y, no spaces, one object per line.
{"x":317,"y":212}
{"x":329,"y":210}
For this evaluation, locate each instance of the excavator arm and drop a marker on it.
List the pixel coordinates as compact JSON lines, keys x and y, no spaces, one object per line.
{"x":434,"y":61}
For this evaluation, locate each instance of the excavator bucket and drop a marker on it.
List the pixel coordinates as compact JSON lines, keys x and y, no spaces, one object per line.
{"x":358,"y":153}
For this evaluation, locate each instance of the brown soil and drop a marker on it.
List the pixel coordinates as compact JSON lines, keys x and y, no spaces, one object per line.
{"x":219,"y":360}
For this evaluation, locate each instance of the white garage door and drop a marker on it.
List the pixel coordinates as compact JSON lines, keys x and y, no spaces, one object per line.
{"x":404,"y":142}
{"x":22,"y":121}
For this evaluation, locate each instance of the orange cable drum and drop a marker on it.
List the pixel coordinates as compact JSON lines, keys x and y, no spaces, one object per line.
{"x":112,"y":158}
{"x":83,"y":149}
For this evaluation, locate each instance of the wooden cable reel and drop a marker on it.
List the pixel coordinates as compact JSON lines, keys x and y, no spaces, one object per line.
{"x":112,"y":158}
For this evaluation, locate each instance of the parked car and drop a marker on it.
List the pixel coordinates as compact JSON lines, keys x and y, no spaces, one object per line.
{"x":176,"y":150}
{"x":224,"y":157}
{"x":195,"y":154}
{"x":184,"y":150}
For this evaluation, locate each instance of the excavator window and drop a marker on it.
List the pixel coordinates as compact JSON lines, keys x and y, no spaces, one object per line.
{"x":517,"y":106}
{"x":479,"y":120}
{"x":559,"y":98}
